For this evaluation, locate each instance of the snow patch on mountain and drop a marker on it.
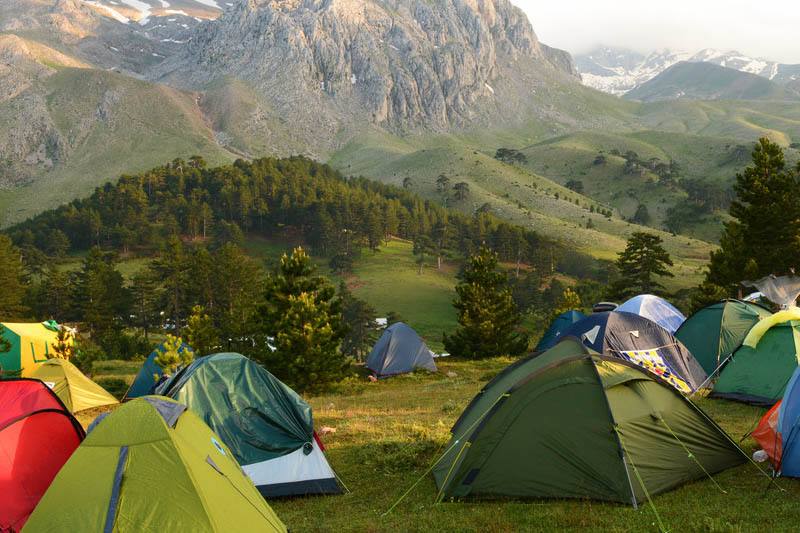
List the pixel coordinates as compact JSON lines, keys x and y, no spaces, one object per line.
{"x":618,"y":71}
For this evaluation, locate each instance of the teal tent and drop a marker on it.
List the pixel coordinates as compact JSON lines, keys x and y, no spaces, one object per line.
{"x":145,"y":381}
{"x":557,"y":327}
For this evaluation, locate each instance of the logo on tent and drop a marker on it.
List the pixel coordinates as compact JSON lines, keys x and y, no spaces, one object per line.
{"x":591,"y":335}
{"x":650,"y":360}
{"x":50,"y":384}
{"x":218,"y":446}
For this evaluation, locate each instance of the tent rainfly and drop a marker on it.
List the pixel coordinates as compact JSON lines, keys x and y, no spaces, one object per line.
{"x":714,"y":332}
{"x":557,"y":327}
{"x":145,"y":381}
{"x":569,"y":424}
{"x":37,"y":436}
{"x":77,"y":391}
{"x":778,"y":433}
{"x":656,"y":309}
{"x":759,"y":370}
{"x":399,"y":351}
{"x":30,"y":344}
{"x":152,"y":465}
{"x":268,"y":427}
{"x":641,"y":341}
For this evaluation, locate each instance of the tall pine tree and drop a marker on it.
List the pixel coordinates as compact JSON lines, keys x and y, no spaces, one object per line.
{"x":304,"y":316}
{"x":638,"y":266}
{"x":12,"y":281}
{"x":487,"y":316}
{"x":764,"y":236}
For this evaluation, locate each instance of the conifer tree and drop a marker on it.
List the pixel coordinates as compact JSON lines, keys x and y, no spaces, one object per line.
{"x":304,"y":315}
{"x":487,"y":316}
{"x":173,"y":358}
{"x":12,"y":281}
{"x":359,"y":317}
{"x":764,"y":236}
{"x":200,"y":332}
{"x":64,"y":347}
{"x":643,"y":259}
{"x":568,"y":301}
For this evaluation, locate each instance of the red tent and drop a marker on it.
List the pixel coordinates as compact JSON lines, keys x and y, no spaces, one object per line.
{"x":37,"y":436}
{"x":767,"y":436}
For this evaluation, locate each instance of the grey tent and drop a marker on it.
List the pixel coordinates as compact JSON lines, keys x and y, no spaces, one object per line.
{"x":398,"y":351}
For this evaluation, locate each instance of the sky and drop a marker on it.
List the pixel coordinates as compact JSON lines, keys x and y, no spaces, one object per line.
{"x":757,"y":28}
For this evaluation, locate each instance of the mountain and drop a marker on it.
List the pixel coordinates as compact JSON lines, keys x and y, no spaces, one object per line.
{"x":617,"y":70}
{"x":707,"y":81}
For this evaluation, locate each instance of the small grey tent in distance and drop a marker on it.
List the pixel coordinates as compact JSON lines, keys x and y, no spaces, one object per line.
{"x":399,"y":351}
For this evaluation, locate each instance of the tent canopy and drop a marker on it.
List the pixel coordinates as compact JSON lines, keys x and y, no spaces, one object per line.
{"x":656,"y":309}
{"x":759,"y":370}
{"x":716,"y":331}
{"x":145,"y":381}
{"x":575,"y":426}
{"x":77,"y":391}
{"x":110,"y":482}
{"x":399,"y":350}
{"x":639,"y":340}
{"x":268,"y":427}
{"x":557,"y":327}
{"x":37,"y":436}
{"x":30,"y":344}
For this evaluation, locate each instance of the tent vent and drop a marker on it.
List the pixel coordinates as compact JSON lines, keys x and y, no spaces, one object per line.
{"x":169,"y":411}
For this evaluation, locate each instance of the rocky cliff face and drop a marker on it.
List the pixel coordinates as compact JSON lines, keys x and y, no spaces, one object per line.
{"x":398,"y":64}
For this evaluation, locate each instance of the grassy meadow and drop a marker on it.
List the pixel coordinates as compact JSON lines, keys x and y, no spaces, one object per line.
{"x":389,"y":433}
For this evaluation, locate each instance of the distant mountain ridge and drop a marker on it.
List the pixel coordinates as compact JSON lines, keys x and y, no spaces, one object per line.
{"x":618,"y":71}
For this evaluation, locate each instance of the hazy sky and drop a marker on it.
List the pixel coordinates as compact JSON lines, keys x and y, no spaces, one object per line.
{"x":769,"y":29}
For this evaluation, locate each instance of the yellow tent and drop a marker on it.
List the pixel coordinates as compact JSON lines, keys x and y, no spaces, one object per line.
{"x":30,"y":344}
{"x":77,"y":391}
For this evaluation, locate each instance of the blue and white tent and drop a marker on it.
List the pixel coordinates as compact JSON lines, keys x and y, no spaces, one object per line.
{"x":656,"y":309}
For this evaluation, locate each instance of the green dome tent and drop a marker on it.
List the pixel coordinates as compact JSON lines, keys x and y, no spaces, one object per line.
{"x":268,"y":427}
{"x":760,"y":369}
{"x":152,"y":465}
{"x":568,"y":424}
{"x":715,"y":331}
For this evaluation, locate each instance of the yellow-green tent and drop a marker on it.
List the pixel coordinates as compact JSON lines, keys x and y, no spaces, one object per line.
{"x":152,"y":465}
{"x":77,"y":391}
{"x":30,"y":344}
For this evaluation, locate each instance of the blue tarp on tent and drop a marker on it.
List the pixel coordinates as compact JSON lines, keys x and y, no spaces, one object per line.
{"x":558,"y":326}
{"x":148,"y":375}
{"x":656,"y":309}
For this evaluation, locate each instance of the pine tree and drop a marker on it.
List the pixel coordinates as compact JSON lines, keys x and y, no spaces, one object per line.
{"x":568,"y":301}
{"x":100,"y":297}
{"x":643,"y":259}
{"x":764,"y":236}
{"x":64,"y":347}
{"x":173,"y":358}
{"x":12,"y":281}
{"x":200,"y":332}
{"x":359,"y":317}
{"x":487,"y":316}
{"x":303,"y":314}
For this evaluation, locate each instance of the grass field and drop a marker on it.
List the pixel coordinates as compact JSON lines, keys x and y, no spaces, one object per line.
{"x":388,"y":433}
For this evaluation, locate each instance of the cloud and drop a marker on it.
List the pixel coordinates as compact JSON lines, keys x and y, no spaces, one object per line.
{"x":754,"y":28}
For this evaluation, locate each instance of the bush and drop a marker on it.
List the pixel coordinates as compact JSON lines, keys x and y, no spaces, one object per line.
{"x":116,"y":386}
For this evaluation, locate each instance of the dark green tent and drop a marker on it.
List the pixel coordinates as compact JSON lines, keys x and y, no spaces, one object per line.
{"x":716,"y":331}
{"x":568,"y":424}
{"x":759,"y":370}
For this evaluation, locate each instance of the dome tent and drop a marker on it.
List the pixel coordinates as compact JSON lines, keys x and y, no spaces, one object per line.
{"x":267,"y":426}
{"x":399,"y":351}
{"x":759,"y":370}
{"x":557,"y":327}
{"x":152,"y":465}
{"x":778,"y":433}
{"x":30,"y":344}
{"x":569,"y":424}
{"x":37,"y":436}
{"x":656,"y":309}
{"x":715,"y":331}
{"x":639,"y":340}
{"x":77,"y":391}
{"x":145,"y":381}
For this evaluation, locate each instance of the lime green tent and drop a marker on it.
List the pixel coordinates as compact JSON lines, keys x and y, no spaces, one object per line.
{"x":30,"y":344}
{"x":714,"y":332}
{"x":760,"y":369}
{"x":568,"y":424}
{"x":152,"y":465}
{"x":77,"y":391}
